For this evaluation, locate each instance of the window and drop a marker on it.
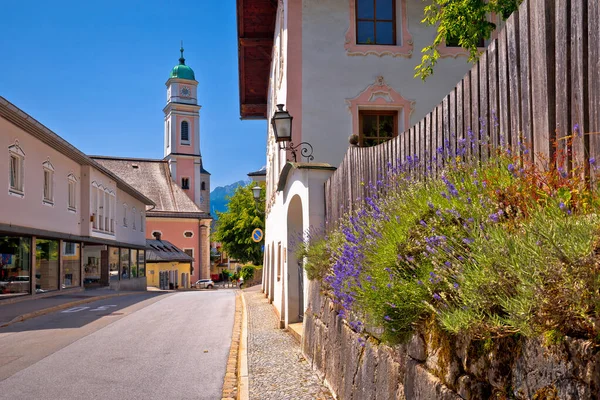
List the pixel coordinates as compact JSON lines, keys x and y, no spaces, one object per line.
{"x":189,"y":252}
{"x":101,"y":209}
{"x":47,"y":267}
{"x":48,"y":184}
{"x":133,"y":217}
{"x":377,"y":127}
{"x":69,"y":248}
{"x":141,"y":222}
{"x":72,"y":192}
{"x":185,"y":183}
{"x":185,"y":134}
{"x":203,"y":186}
{"x":141,"y":263}
{"x":113,"y":207}
{"x":70,"y":261}
{"x":125,"y":270}
{"x":375,"y":22}
{"x":15,"y":265}
{"x":125,"y":215}
{"x":188,"y":234}
{"x":168,"y":134}
{"x":17,"y":158}
{"x":94,"y":195}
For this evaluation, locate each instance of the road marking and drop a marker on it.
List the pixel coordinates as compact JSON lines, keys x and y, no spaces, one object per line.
{"x":82,"y":308}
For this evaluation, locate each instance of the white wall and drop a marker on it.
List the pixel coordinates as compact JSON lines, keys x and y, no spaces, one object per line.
{"x":330,"y":76}
{"x":29,"y":210}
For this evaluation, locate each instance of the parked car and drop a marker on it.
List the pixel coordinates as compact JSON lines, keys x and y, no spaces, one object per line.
{"x":204,"y":284}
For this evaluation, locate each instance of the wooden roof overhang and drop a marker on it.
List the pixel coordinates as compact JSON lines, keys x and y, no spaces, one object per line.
{"x":256,"y":29}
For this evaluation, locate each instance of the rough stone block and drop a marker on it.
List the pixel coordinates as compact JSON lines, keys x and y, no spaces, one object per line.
{"x":416,"y":348}
{"x":387,"y":375}
{"x":421,"y":385}
{"x":365,"y":381}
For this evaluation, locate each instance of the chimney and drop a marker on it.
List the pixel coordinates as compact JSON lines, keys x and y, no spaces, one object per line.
{"x":157,"y":235}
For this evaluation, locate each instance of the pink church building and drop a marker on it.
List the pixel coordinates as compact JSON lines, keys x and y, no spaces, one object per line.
{"x":178,"y":184}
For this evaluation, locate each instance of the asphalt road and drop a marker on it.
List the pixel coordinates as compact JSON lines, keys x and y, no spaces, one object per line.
{"x":146,"y":346}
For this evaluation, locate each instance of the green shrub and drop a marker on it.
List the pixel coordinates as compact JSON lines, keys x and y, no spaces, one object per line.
{"x":498,"y":249}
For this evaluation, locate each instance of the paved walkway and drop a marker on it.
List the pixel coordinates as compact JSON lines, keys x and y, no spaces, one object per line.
{"x":276,"y":368}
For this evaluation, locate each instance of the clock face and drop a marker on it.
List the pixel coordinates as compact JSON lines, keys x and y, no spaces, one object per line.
{"x":185,"y":91}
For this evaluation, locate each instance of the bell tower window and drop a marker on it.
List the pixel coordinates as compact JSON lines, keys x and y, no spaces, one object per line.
{"x":185,"y":132}
{"x":185,"y":183}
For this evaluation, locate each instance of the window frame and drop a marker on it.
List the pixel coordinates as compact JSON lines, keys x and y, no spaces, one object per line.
{"x":374,"y":21}
{"x":15,"y":152}
{"x":71,"y":193}
{"x":48,"y":185}
{"x":125,"y":215}
{"x":377,"y":112}
{"x":187,"y":131}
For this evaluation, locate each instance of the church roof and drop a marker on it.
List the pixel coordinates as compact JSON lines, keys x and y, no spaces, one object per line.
{"x":182,"y":71}
{"x":153,"y":179}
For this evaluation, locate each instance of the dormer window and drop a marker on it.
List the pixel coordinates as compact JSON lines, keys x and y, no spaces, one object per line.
{"x":185,"y":132}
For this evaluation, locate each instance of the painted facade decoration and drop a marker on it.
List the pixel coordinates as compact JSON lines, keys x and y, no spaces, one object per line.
{"x":333,"y":80}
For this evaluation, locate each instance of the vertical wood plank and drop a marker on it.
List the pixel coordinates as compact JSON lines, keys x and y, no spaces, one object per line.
{"x":422,"y":144}
{"x":594,"y":84}
{"x":452,"y":116}
{"x":543,"y":99}
{"x":427,"y":146}
{"x":433,"y":143}
{"x":563,"y":84}
{"x":460,"y":130}
{"x":448,"y":146}
{"x":579,"y":87}
{"x":525,"y":80}
{"x":466,"y":111}
{"x":512,"y":36}
{"x":504,"y":99}
{"x":475,"y":124}
{"x":493,"y":95}
{"x":439,"y":145}
{"x":484,"y":122}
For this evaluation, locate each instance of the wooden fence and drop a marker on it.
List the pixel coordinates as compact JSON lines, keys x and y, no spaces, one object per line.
{"x":537,"y":83}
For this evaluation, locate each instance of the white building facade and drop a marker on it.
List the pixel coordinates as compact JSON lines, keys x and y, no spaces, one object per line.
{"x":62,"y":214}
{"x":340,"y":67}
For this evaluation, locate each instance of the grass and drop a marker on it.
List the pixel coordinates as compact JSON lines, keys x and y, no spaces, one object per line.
{"x":492,"y":250}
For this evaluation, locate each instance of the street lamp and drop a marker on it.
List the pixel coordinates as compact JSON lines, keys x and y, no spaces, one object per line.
{"x":256,"y":192}
{"x":282,"y":129}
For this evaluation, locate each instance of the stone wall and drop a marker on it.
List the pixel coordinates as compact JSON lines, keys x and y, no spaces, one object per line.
{"x":434,"y":365}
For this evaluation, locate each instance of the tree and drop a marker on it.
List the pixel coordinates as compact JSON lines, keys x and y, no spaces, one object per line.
{"x":465,"y":22}
{"x":234,"y":226}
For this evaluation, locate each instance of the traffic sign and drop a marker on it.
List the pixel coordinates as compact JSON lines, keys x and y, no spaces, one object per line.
{"x":257,"y":235}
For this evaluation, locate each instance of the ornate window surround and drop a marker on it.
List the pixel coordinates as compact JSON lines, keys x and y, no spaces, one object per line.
{"x":406,"y":40}
{"x":380,"y":96}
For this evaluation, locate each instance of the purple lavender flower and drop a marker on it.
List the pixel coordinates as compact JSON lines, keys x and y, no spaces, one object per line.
{"x":511,"y":168}
{"x":576,"y":129}
{"x":592,"y":161}
{"x":387,"y":318}
{"x":448,"y":264}
{"x":561,"y":205}
{"x":430,"y":204}
{"x":468,"y":240}
{"x":455,"y":285}
{"x":436,"y":296}
{"x":493,"y":217}
{"x":420,"y":282}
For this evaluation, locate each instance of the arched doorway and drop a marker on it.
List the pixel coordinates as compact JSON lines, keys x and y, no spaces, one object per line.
{"x":295,"y":269}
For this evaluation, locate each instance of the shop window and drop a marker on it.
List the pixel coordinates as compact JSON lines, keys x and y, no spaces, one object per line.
{"x":113,"y":263}
{"x":134,"y":263}
{"x":125,"y":270}
{"x":141,"y":263}
{"x":71,"y":266}
{"x":15,"y":267}
{"x":46,"y":259}
{"x":377,"y":126}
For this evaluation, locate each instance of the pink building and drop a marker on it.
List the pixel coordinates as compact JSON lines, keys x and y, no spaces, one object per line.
{"x":178,"y":184}
{"x":65,"y":220}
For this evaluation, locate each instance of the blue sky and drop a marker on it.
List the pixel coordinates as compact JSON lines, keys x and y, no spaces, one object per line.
{"x":95,"y":73}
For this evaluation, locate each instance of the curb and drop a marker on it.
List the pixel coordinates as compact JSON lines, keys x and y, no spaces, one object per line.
{"x":59,"y":307}
{"x":244,"y":384}
{"x":230,"y":384}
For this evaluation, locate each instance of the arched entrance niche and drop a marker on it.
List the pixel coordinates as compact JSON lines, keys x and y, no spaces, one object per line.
{"x":295,"y":269}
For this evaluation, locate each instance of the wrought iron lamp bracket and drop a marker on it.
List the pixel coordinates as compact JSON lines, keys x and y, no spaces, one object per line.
{"x":305,"y":148}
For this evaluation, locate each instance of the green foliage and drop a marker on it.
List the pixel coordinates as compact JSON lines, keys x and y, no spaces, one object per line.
{"x":465,"y":22}
{"x":492,"y":250}
{"x":247,"y":272}
{"x":234,"y":227}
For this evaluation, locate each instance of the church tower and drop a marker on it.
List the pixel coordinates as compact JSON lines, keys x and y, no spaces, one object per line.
{"x":182,"y":135}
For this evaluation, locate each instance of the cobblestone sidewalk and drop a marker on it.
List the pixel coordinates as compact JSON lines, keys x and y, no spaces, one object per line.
{"x":276,"y":368}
